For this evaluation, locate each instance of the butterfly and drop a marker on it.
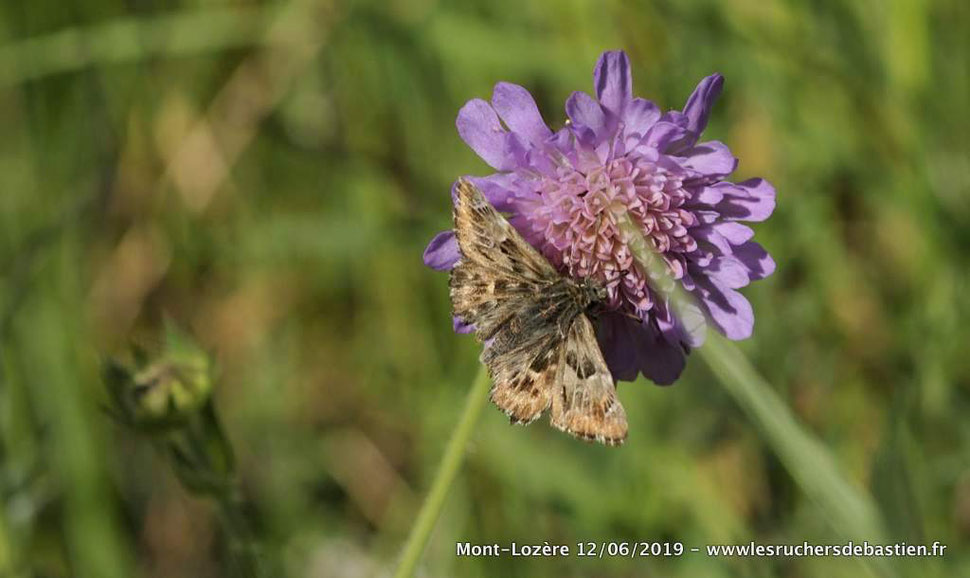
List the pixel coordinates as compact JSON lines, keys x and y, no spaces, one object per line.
{"x":540,"y":346}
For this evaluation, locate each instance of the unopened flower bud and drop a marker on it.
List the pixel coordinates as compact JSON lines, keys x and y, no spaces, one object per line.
{"x":164,"y":391}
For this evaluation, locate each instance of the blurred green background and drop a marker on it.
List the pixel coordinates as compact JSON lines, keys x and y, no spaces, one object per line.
{"x":267,"y":175}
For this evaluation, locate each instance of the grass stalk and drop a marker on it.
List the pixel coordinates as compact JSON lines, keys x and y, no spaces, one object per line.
{"x":444,"y":477}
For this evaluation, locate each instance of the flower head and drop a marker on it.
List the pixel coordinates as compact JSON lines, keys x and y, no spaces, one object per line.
{"x":619,"y":164}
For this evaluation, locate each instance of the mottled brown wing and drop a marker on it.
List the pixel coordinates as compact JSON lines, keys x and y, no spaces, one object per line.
{"x":499,"y":272}
{"x":524,"y":353}
{"x":524,"y":378}
{"x":585,"y":403}
{"x":486,"y":238}
{"x":517,"y":301}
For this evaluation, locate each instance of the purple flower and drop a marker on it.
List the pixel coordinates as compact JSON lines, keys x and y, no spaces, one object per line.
{"x":619,"y":157}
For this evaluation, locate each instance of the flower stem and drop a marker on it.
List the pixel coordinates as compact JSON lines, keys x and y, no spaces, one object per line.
{"x":805,"y":457}
{"x":212,"y":455}
{"x":242,"y":548}
{"x":443,"y":478}
{"x":851,"y":511}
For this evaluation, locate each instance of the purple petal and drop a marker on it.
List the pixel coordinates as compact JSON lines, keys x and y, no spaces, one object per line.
{"x":583,"y":111}
{"x":751,"y":200}
{"x":613,"y":81}
{"x":709,"y":196}
{"x":518,"y":110}
{"x":676,"y":117}
{"x":460,"y":326}
{"x":589,"y":151}
{"x":582,"y":140}
{"x":698,"y":106}
{"x":500,"y":189}
{"x":707,"y":217}
{"x":754,"y":257}
{"x":442,"y":252}
{"x":617,"y":345}
{"x":662,"y":134}
{"x":708,"y":234}
{"x":729,"y":271}
{"x":516,"y":150}
{"x":686,"y":325}
{"x":665,"y":321}
{"x":711,"y":159}
{"x":687,"y":281}
{"x":454,"y":193}
{"x":639,"y":115}
{"x":659,"y":361}
{"x":735,"y":233}
{"x":729,"y":311}
{"x":479,"y":127}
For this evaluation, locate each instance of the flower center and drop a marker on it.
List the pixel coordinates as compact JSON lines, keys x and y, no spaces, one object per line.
{"x":576,"y":218}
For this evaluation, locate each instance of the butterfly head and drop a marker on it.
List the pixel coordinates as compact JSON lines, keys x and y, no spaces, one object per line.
{"x":591,"y":293}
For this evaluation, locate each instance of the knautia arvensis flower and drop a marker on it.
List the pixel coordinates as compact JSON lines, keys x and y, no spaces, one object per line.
{"x":619,"y":162}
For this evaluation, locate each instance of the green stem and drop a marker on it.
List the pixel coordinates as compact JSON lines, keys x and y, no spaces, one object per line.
{"x":850,"y":510}
{"x":242,"y":550}
{"x":211,"y":455}
{"x":447,"y":470}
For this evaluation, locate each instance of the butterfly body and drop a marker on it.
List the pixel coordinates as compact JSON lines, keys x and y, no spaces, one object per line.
{"x":540,"y":346}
